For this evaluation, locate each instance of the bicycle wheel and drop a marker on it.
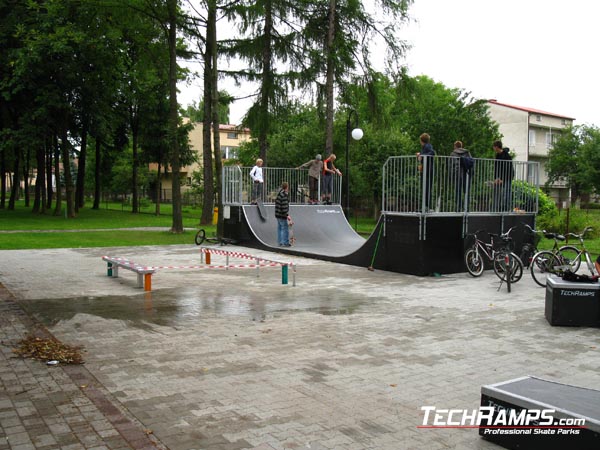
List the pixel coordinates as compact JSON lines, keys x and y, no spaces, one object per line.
{"x":543,"y":264}
{"x":516,"y":267}
{"x":200,"y":237}
{"x":570,"y":257}
{"x":474,"y":262}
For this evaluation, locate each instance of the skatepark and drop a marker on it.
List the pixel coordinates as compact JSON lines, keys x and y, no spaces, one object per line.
{"x":231,"y":357}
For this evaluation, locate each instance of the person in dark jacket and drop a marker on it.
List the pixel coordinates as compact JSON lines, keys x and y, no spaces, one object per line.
{"x":282,"y":210}
{"x":461,"y":175}
{"x":503,"y":177}
{"x":425,"y":158}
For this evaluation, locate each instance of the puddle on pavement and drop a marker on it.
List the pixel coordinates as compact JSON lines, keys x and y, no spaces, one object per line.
{"x":174,"y":308}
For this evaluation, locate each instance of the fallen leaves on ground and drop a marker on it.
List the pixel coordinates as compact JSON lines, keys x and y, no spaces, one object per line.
{"x":48,"y":349}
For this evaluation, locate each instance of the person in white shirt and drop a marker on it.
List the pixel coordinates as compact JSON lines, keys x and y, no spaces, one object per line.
{"x":257,"y":181}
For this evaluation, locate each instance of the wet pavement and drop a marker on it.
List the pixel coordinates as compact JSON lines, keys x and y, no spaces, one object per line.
{"x":223,"y":359}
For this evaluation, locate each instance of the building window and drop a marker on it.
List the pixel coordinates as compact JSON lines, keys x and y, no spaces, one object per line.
{"x":563,"y":121}
{"x":229,"y":152}
{"x":550,"y":139}
{"x":189,"y":181}
{"x":532,"y":138}
{"x":538,"y":118}
{"x":232,"y":135}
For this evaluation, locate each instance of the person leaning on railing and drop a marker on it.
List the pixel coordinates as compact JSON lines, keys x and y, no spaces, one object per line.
{"x":315,"y":167}
{"x":329,"y":170}
{"x":425,"y":157}
{"x":503,"y":177}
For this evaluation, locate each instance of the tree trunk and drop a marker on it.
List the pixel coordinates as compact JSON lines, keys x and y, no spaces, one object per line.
{"x":16,"y":182}
{"x":66,"y":160}
{"x":26,"y":161}
{"x":97,"y":179}
{"x":177,"y":226}
{"x":80,"y":183}
{"x":134,"y":181}
{"x":266,"y":84}
{"x":58,"y":205}
{"x":158,"y":188}
{"x":2,"y":179}
{"x":329,"y":52}
{"x":207,"y":157}
{"x":49,"y":183}
{"x":216,"y":134}
{"x":39,"y":200}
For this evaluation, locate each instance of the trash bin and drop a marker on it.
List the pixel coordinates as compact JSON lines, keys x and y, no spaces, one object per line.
{"x":215,"y":216}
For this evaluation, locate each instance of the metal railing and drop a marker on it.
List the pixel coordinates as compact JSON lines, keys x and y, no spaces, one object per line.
{"x":439,"y":185}
{"x":238,"y":185}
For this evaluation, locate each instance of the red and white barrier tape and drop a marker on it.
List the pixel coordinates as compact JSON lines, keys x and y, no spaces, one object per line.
{"x":240,"y":255}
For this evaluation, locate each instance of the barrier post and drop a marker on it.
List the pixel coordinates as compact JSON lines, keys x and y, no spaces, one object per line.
{"x":257,"y":267}
{"x":284,"y":274}
{"x":293,"y":275}
{"x":207,"y":257}
{"x":109,"y":269}
{"x":227,"y":261}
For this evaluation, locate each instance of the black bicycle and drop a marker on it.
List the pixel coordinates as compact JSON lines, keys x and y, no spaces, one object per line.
{"x":201,"y":238}
{"x":498,"y":252}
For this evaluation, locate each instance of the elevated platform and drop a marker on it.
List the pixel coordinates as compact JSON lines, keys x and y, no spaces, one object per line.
{"x":412,"y":244}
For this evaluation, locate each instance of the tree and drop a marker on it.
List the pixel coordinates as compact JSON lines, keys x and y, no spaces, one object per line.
{"x":575,"y":159}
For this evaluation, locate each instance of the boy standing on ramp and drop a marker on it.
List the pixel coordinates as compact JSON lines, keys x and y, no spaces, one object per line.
{"x":282,"y":209}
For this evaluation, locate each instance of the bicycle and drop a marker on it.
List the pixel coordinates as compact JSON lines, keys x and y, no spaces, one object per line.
{"x":497,"y":252}
{"x":550,"y":261}
{"x":530,"y":246}
{"x":201,"y":238}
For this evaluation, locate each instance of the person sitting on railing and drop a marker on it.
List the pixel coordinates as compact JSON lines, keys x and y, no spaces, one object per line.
{"x":256,"y":173}
{"x":503,"y":177}
{"x":328,"y":170}
{"x":315,"y":167}
{"x":461,"y":174}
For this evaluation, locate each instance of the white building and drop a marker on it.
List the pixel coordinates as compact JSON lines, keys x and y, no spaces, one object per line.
{"x":530,"y":134}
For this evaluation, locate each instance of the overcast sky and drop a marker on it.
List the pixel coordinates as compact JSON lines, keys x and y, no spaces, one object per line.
{"x":540,"y":54}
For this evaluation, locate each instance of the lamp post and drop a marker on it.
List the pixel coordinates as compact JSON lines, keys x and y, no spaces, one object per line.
{"x":357,"y":135}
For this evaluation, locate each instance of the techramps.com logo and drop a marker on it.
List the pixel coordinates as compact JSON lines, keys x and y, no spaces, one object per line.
{"x":497,"y":419}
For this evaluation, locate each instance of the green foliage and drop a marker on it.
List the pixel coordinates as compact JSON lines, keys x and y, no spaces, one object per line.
{"x":575,"y":158}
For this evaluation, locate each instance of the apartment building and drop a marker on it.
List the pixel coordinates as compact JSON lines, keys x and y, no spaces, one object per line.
{"x":231,"y":137}
{"x":530,"y":134}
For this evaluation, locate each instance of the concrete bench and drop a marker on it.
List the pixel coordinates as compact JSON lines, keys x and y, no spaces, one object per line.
{"x":144,"y":274}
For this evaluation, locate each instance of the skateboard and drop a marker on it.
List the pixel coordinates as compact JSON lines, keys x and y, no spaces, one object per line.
{"x":291,"y":237}
{"x":261,"y":209}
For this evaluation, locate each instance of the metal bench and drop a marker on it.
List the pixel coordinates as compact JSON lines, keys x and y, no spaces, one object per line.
{"x":144,"y":273}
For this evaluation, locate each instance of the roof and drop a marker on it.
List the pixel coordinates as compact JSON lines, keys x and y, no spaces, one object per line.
{"x":529,"y":110}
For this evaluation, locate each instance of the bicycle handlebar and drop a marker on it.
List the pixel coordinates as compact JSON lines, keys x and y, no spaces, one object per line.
{"x":583,"y":233}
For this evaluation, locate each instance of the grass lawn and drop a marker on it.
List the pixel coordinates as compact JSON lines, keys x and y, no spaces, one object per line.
{"x":49,"y":231}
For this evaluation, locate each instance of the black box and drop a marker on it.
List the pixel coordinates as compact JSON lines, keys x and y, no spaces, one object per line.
{"x":572,"y":304}
{"x":575,"y":420}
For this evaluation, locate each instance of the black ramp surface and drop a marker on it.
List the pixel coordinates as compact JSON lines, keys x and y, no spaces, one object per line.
{"x":585,"y":402}
{"x":319,"y":230}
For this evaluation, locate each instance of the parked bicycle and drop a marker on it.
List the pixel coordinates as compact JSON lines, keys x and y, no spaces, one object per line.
{"x":559,"y":260}
{"x":531,"y":240}
{"x":201,"y":238}
{"x":498,"y":252}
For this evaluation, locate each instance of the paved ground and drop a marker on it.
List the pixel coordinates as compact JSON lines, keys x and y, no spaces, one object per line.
{"x":215,"y":359}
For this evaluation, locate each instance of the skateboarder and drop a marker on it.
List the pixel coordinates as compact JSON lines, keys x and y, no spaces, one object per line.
{"x":256,"y":173}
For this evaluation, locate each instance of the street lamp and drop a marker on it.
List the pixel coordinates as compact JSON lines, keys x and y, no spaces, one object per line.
{"x":357,"y":135}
